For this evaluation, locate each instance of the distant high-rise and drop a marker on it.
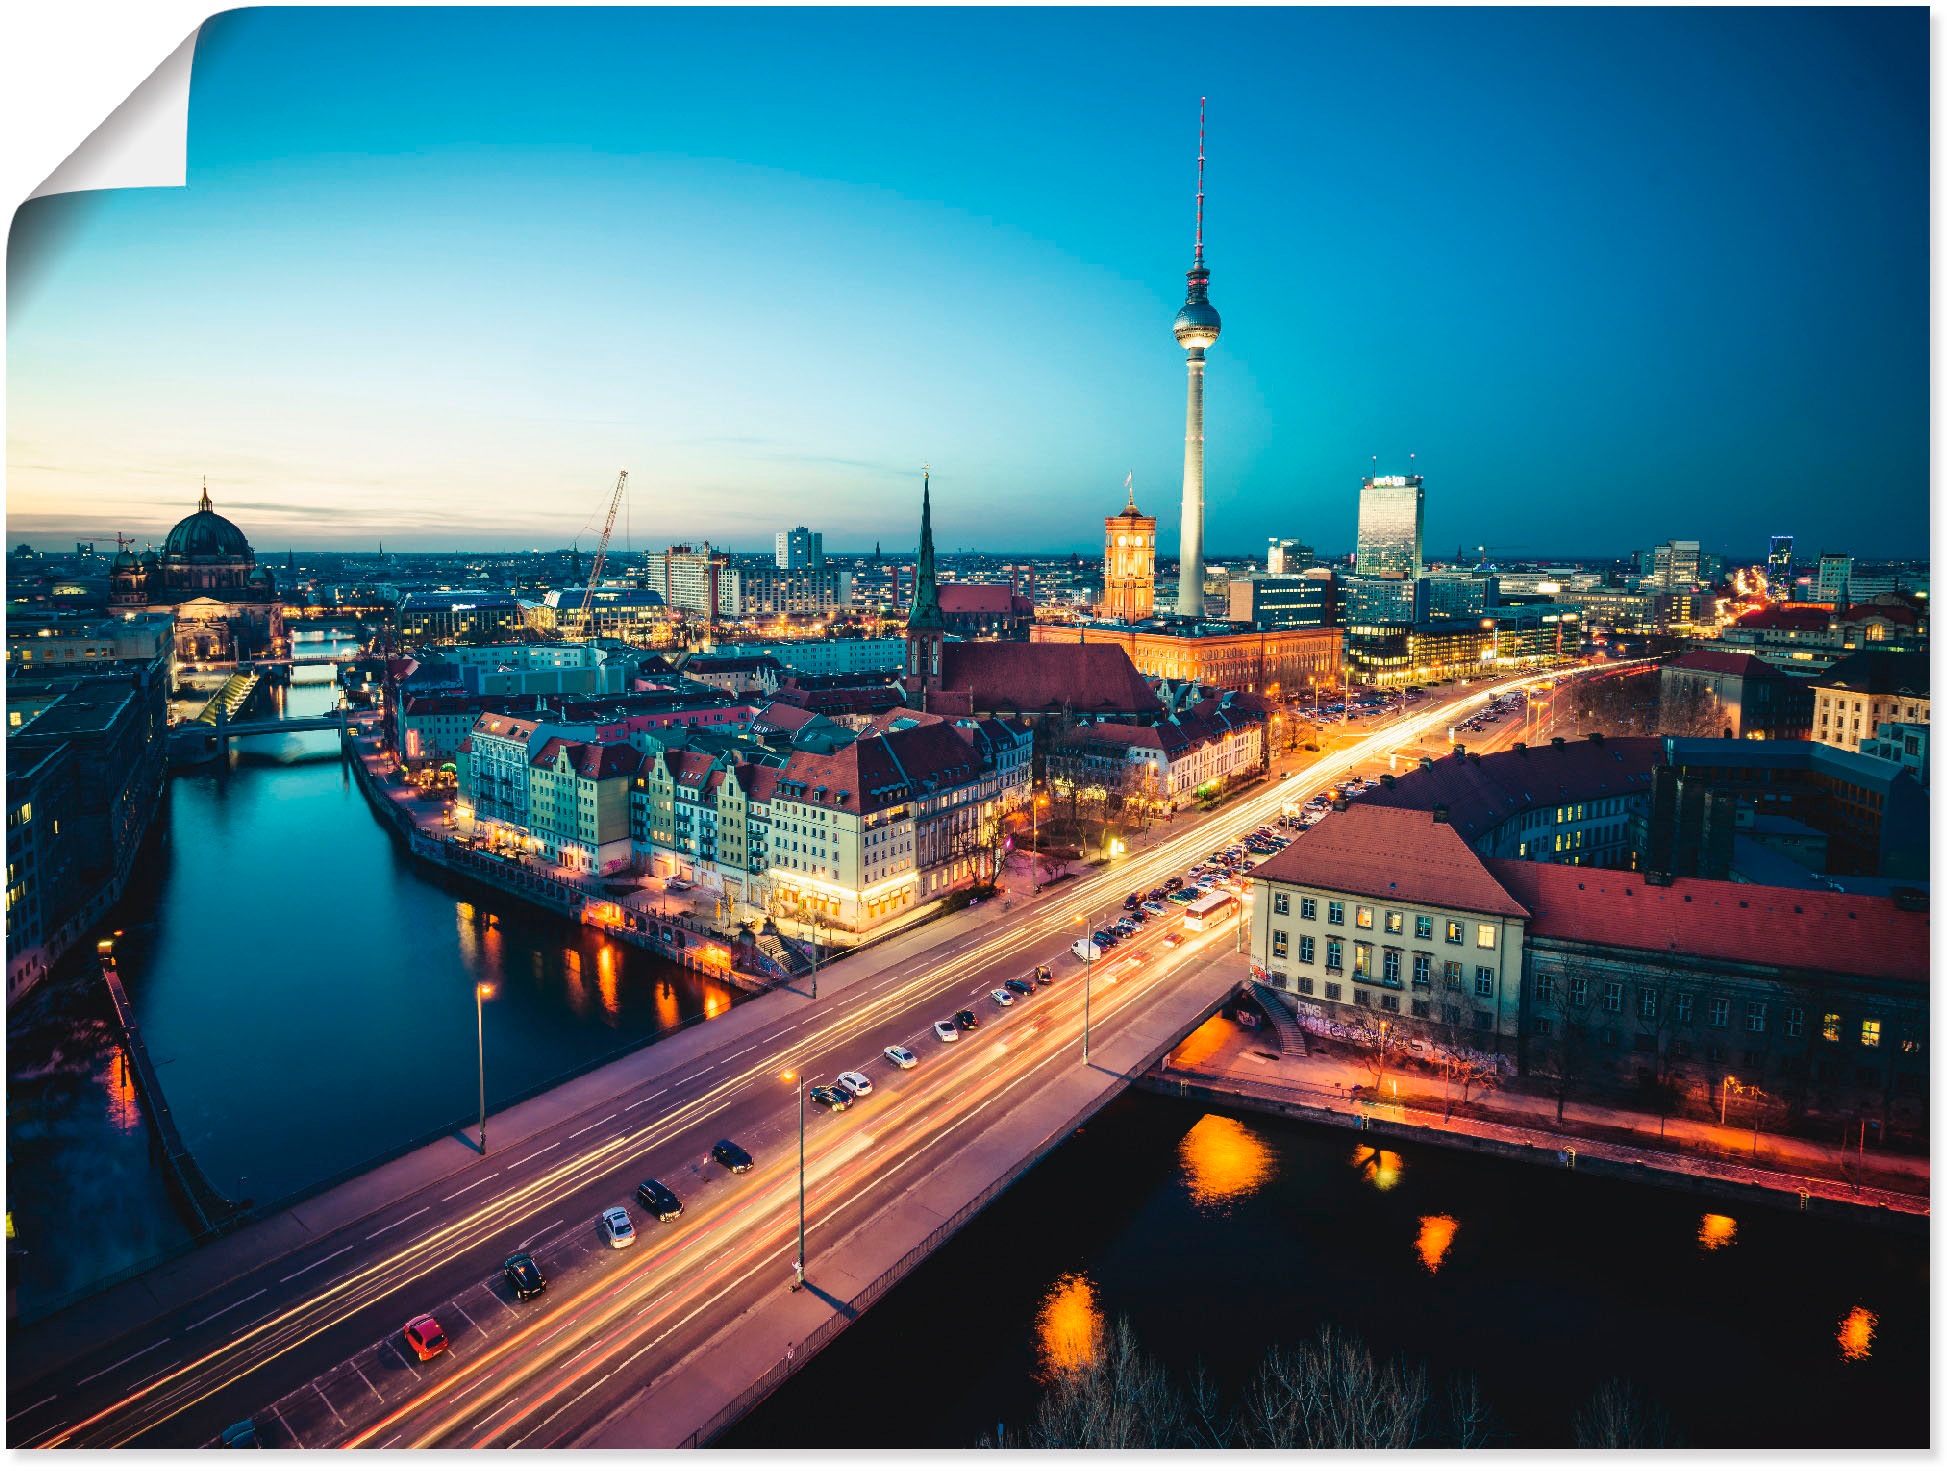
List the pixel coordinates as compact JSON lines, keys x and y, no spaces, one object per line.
{"x":1288,"y":558}
{"x":1129,"y":563}
{"x":1392,"y":519}
{"x":1835,"y":579}
{"x":1196,"y":328}
{"x":1677,"y":566}
{"x":1778,"y":567}
{"x":799,"y":550}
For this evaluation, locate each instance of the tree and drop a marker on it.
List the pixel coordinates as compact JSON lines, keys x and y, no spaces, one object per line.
{"x":1118,"y":1398}
{"x":1618,"y":1418}
{"x":1330,"y":1393}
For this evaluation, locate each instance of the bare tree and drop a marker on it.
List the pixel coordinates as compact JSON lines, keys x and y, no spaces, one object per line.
{"x":1118,"y":1399}
{"x":1470,"y":1424}
{"x":1617,"y":1417}
{"x":1332,"y":1394}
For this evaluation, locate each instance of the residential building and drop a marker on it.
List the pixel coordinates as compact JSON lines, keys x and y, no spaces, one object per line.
{"x":1383,"y":919}
{"x":1164,"y":766}
{"x":1392,"y":520}
{"x":1288,"y":558}
{"x":800,"y":550}
{"x":1863,"y":691}
{"x":696,"y":581}
{"x":985,"y":610}
{"x":66,"y":643}
{"x":1677,"y":566}
{"x":578,"y":803}
{"x":1902,"y":743}
{"x":735,"y":675}
{"x":824,"y":655}
{"x":766,"y":592}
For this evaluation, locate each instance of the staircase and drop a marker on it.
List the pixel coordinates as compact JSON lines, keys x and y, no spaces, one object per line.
{"x":773,"y":948}
{"x":1275,"y":1005}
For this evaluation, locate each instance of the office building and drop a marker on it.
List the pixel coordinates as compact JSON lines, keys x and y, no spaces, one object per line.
{"x":1286,"y":558}
{"x":1392,"y":522}
{"x":1677,"y":566}
{"x":1778,"y":568}
{"x":1835,"y":579}
{"x":1266,"y":600}
{"x":799,"y":550}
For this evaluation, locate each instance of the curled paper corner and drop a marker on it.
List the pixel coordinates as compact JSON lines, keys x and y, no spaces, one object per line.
{"x":143,"y":144}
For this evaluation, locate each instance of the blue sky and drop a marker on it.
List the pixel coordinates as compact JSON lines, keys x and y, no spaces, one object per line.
{"x":1612,"y":276}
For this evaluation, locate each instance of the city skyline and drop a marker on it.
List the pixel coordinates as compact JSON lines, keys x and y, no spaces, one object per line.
{"x":368,"y":321}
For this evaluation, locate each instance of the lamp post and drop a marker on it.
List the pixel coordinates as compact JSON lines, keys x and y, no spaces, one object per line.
{"x":1036,"y":800}
{"x":480,"y":994}
{"x":797,"y":1267}
{"x":1088,"y":975}
{"x":1724,"y":1097}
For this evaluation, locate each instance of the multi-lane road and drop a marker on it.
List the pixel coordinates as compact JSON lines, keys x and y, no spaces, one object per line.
{"x":309,"y":1345}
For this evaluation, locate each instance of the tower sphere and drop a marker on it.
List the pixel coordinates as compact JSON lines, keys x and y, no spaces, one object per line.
{"x":1197,"y":325}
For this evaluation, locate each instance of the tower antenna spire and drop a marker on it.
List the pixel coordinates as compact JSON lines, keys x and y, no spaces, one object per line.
{"x":1201,"y":101}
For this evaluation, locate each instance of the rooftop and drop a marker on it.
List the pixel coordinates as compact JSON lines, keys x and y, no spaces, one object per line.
{"x":1391,"y":853}
{"x":1480,"y":792}
{"x":1878,"y":674}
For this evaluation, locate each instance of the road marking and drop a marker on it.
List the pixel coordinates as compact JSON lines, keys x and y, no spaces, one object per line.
{"x":538,"y":1235}
{"x":735,"y":1055}
{"x":318,"y":1263}
{"x":392,"y":1442}
{"x":34,"y":1406}
{"x":279,"y":1417}
{"x":596,"y":1125}
{"x":330,"y":1406}
{"x":156,"y":1375}
{"x":468,"y":1316}
{"x":400,"y":1354}
{"x":400,"y":1222}
{"x":369,"y":1384}
{"x":163,"y":1343}
{"x":536,"y":1155}
{"x":221,"y":1311}
{"x":493,"y":1414}
{"x":464,"y":1188}
{"x":690,"y":1079}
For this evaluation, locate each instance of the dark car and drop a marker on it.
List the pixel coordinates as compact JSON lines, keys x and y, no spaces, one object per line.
{"x":659,"y":1200}
{"x":243,"y":1436}
{"x":1174,"y":881}
{"x":1104,"y":938}
{"x":1044,"y":973}
{"x":966,"y":1021}
{"x":1021,"y":988}
{"x":524,"y":1277}
{"x":1155,"y":894}
{"x":733,"y":1157}
{"x":1132,"y":901}
{"x":835,"y":1099}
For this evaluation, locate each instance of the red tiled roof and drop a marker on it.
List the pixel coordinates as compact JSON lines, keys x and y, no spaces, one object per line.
{"x":1046,"y":677}
{"x":982,"y":597}
{"x":882,"y":771}
{"x":1391,"y":853}
{"x":1843,"y":934}
{"x":612,"y":758}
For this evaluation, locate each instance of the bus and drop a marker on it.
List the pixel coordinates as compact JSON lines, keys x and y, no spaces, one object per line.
{"x":1210,"y":911}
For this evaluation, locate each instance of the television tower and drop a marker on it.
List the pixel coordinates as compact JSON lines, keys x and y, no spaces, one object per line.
{"x":1197,"y":326}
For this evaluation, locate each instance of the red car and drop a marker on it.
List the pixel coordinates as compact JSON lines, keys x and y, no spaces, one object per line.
{"x":425,"y":1337}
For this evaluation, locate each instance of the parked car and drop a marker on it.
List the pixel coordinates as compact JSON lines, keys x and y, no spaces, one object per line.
{"x":1044,"y":973}
{"x":1086,"y":950}
{"x":425,"y":1337}
{"x":1132,"y":901}
{"x":835,"y":1099}
{"x":1002,"y":996}
{"x":659,"y":1200}
{"x":856,"y":1084}
{"x":946,"y":1031}
{"x":899,"y":1057}
{"x":1155,"y":907}
{"x":966,"y":1021}
{"x":1021,"y":988}
{"x":733,"y":1157}
{"x":1104,"y":939}
{"x":617,"y":1227}
{"x":524,"y":1278}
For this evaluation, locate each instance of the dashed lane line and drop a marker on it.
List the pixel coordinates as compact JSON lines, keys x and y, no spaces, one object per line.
{"x":536,"y":1155}
{"x":464,"y":1188}
{"x":315,"y":1265}
{"x":586,"y":1127}
{"x":221,"y":1311}
{"x":493,"y":1414}
{"x":160,"y":1343}
{"x":400,"y":1222}
{"x":34,"y":1406}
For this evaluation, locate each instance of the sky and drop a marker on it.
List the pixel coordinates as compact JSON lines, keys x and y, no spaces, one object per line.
{"x":1603,"y":277}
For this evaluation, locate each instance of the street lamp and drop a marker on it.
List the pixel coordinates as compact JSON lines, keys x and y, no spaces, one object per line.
{"x":1088,"y":974}
{"x":480,"y":994}
{"x":1037,"y":802}
{"x":797,"y":1267}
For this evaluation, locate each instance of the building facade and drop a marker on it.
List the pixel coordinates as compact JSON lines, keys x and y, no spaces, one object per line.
{"x":1276,"y":663}
{"x":1864,"y":691}
{"x":1392,"y":524}
{"x":1128,"y":565}
{"x":800,"y":550}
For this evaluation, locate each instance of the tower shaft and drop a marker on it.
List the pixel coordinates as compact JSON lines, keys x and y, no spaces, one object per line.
{"x":1189,"y":587}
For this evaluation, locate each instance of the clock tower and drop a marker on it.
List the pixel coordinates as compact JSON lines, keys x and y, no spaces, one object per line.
{"x":1128,"y":563}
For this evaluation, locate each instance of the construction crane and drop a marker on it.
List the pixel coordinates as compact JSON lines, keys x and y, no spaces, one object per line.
{"x":601,"y":557}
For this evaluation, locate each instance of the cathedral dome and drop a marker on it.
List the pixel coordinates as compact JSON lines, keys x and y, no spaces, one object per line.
{"x":206,"y":536}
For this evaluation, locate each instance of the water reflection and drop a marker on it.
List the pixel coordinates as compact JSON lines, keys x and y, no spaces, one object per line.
{"x":1068,"y":1327}
{"x":1715,"y":1232}
{"x":605,"y":980}
{"x":1435,"y":1240}
{"x":1856,"y":1334}
{"x":117,"y":1081}
{"x":1380,"y":1168}
{"x":1223,"y":1162}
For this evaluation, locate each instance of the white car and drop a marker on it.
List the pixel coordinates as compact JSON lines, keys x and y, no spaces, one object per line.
{"x":946,"y":1031}
{"x":1001,"y":998}
{"x":857,"y":1084}
{"x":617,"y":1226}
{"x":1082,"y":950}
{"x":899,"y":1057}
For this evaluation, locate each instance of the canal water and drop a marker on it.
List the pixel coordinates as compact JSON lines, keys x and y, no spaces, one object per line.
{"x":1220,"y":1234}
{"x":307,"y":994}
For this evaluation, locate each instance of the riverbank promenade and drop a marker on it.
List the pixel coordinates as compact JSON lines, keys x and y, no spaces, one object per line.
{"x":1223,"y":1061}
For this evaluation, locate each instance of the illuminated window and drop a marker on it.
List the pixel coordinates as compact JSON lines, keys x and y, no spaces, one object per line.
{"x":1456,"y":932}
{"x":1395,"y":922}
{"x":1830,"y":1029}
{"x":1362,"y":916}
{"x":1361,"y":959}
{"x":1423,"y":927}
{"x":1869,"y":1033}
{"x":1280,"y":945}
{"x":1484,"y":936}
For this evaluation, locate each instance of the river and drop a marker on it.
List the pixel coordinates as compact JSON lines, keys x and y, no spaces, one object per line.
{"x":305,"y":992}
{"x":1219,"y":1234}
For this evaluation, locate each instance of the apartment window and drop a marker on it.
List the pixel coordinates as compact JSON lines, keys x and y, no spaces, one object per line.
{"x":1362,"y":916}
{"x":1544,"y":1027}
{"x":1388,"y":1003}
{"x":1545,"y":990}
{"x":1307,"y":908}
{"x":1646,"y":1003}
{"x":1456,"y":932}
{"x":1422,"y":1009}
{"x":1720,"y":1012}
{"x":1483,"y":1021}
{"x":1483,"y":980}
{"x":1484,"y":936}
{"x":1280,"y":944}
{"x":1578,"y":992}
{"x":1612,"y":995}
{"x":1362,"y":959}
{"x":1453,"y":975}
{"x":1333,"y":990}
{"x":1754,"y":1016}
{"x":1305,"y":982}
{"x":1830,"y":1028}
{"x":1335,"y":912}
{"x":1684,"y":1001}
{"x":1362,"y":998}
{"x":1794,"y":1021}
{"x":1423,"y":970}
{"x":1423,"y":927}
{"x":1281,"y":902}
{"x":1307,"y":949}
{"x":1869,"y":1033}
{"x":1389,"y":967}
{"x":1395,"y":922}
{"x":1334,"y":954}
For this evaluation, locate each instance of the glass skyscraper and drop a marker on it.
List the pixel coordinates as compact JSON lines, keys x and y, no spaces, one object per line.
{"x":1392,"y":517}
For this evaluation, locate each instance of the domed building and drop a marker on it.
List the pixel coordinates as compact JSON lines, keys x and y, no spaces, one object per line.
{"x":225,"y":605}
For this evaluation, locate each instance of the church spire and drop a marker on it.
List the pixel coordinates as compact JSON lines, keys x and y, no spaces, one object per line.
{"x":925,"y":614}
{"x":204,"y":503}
